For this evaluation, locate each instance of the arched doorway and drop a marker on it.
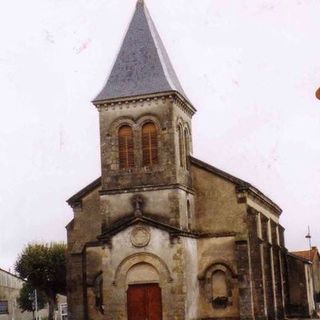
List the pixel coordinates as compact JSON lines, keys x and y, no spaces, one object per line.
{"x":144,"y":299}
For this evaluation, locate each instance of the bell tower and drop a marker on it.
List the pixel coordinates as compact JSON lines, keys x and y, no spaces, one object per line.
{"x":145,"y":127}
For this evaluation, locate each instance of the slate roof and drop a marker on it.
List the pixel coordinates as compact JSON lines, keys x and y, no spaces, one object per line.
{"x":142,"y":66}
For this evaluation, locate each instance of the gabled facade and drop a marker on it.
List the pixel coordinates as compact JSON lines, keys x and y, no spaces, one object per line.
{"x":163,"y":235}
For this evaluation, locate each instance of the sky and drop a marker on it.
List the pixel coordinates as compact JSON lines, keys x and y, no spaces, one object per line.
{"x":250,"y":67}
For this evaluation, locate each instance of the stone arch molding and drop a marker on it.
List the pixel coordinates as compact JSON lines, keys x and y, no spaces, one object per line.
{"x":214,"y":266}
{"x":138,"y":258}
{"x":179,"y":123}
{"x":134,"y":123}
{"x":183,"y":124}
{"x":116,"y":124}
{"x":148,"y":118}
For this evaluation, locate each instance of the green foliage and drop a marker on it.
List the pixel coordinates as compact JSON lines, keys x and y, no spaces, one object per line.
{"x":44,"y":267}
{"x":26,"y":298}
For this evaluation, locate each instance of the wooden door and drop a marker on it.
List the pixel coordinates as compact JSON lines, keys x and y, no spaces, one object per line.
{"x":144,"y":302}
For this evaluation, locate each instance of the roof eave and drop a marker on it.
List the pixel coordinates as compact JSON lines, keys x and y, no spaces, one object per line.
{"x":124,"y":99}
{"x":83,"y":192}
{"x":291,"y":254}
{"x":253,"y":191}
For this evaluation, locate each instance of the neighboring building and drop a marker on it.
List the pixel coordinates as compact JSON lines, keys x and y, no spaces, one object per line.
{"x":62,"y":308}
{"x":10,"y":286}
{"x":301,"y":300}
{"x":313,"y":256}
{"x":163,"y":235}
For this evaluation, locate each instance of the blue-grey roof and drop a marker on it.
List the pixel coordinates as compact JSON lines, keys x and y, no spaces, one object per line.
{"x":142,"y":66}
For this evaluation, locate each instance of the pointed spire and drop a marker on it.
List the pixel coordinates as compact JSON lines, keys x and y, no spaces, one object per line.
{"x":142,"y":66}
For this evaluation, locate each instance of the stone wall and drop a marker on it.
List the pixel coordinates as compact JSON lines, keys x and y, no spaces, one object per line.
{"x":167,"y":256}
{"x":216,"y":206}
{"x":167,"y":205}
{"x":217,"y":254}
{"x":316,"y":275}
{"x":257,"y":263}
{"x":246,"y":307}
{"x":278,"y":277}
{"x":268,"y":269}
{"x":298,"y":291}
{"x":84,"y":228}
{"x":166,"y":113}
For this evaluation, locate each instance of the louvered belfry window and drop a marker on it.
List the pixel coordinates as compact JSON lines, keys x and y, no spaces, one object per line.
{"x":126,"y":152}
{"x":149,"y":144}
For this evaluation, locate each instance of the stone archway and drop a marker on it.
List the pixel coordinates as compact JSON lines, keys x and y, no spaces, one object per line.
{"x":120,"y":278}
{"x":143,"y":275}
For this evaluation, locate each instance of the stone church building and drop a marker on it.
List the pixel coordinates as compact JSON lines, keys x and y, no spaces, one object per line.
{"x":163,"y":235}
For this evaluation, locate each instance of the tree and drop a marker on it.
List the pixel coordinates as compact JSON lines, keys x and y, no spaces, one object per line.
{"x":44,"y":267}
{"x":26,"y":299}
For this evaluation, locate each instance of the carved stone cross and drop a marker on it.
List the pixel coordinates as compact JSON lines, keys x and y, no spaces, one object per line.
{"x":137,"y":202}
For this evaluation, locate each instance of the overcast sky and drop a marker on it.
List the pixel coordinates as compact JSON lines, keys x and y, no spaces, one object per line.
{"x":250,"y":67}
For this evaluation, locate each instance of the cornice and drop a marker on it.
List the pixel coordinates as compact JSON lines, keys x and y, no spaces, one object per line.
{"x":174,"y":231}
{"x":140,"y":101}
{"x":259,"y":197}
{"x":147,"y":188}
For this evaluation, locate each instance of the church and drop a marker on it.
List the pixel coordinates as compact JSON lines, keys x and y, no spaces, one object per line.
{"x":161,"y":234}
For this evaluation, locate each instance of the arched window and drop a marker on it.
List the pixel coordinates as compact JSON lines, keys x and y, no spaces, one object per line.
{"x":189,"y":214}
{"x":126,"y":154}
{"x":181,"y":146}
{"x":187,"y":149}
{"x":149,"y":144}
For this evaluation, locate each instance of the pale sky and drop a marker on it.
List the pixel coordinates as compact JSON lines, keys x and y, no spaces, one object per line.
{"x":250,"y":67}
